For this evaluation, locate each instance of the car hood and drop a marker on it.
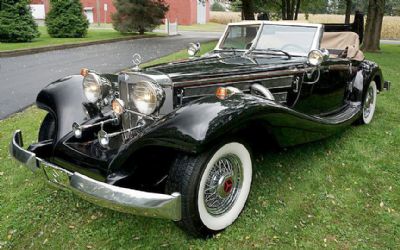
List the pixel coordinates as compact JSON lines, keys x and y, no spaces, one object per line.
{"x":215,"y":65}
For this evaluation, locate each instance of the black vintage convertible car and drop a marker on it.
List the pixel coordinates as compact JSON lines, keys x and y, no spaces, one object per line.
{"x":173,"y":140}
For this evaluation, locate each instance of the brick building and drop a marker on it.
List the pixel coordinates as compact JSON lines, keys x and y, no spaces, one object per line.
{"x":186,"y":12}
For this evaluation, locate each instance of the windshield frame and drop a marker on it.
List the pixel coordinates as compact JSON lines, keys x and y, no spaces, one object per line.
{"x":315,"y":43}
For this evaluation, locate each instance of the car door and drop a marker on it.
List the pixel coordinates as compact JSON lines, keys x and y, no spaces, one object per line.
{"x":324,"y":89}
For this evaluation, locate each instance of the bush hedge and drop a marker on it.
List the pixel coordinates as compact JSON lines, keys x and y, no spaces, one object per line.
{"x":66,"y":19}
{"x":138,"y":15}
{"x":16,"y":22}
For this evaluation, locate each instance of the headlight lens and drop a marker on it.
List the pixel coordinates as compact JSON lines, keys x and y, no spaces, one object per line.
{"x":92,"y":87}
{"x":147,"y":97}
{"x":315,"y":57}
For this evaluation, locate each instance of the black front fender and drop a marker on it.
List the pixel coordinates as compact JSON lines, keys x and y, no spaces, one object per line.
{"x":63,"y":99}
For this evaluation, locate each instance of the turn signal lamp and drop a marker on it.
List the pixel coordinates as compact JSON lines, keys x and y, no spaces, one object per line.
{"x":84,"y":72}
{"x":221,"y":93}
{"x":225,"y":92}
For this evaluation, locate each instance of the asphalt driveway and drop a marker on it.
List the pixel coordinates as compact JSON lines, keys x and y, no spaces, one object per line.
{"x":22,"y":77}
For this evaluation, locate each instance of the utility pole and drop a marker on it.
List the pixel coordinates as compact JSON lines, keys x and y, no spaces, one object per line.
{"x":98,"y":12}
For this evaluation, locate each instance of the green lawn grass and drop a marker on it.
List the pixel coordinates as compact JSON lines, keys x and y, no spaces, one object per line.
{"x":45,"y":40}
{"x":342,"y":192}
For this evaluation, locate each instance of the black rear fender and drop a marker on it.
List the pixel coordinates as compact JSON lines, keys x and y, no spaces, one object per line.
{"x":372,"y":72}
{"x":367,"y":71}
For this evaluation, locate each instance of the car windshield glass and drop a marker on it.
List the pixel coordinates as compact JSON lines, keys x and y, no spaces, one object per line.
{"x":295,"y":40}
{"x":240,"y":37}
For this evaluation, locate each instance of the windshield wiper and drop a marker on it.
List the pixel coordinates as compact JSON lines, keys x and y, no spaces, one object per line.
{"x":228,"y":49}
{"x":273,"y":50}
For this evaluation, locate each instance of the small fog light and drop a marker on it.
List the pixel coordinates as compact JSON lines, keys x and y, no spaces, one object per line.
{"x":118,"y":106}
{"x":103,"y":138}
{"x":77,"y":129}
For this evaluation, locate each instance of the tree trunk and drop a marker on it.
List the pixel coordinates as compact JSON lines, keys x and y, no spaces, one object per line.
{"x":290,"y":9}
{"x":348,"y":11}
{"x":247,"y":10}
{"x":296,"y":15}
{"x":284,"y":16}
{"x":376,"y":10}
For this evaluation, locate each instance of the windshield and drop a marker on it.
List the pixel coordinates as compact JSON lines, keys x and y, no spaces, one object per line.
{"x":296,"y":40}
{"x":240,"y":37}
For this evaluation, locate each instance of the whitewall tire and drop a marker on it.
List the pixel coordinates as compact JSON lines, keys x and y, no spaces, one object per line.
{"x":214,"y":187}
{"x":369,"y":103}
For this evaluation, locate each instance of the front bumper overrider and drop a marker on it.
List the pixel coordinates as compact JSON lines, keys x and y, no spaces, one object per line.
{"x":117,"y":198}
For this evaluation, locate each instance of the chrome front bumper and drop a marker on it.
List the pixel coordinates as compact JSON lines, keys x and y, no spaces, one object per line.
{"x":117,"y":198}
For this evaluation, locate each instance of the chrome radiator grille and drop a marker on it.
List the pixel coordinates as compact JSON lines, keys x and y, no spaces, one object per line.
{"x":128,"y":120}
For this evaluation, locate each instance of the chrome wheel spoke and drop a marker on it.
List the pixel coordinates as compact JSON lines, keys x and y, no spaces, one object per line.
{"x":223,"y":184}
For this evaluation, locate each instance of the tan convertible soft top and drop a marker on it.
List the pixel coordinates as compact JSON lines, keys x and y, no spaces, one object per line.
{"x":347,"y":42}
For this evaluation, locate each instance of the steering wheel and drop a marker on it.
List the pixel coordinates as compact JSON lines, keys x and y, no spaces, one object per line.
{"x":295,"y":46}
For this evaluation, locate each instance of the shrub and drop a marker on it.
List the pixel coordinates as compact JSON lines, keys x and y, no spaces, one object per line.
{"x":138,"y":15}
{"x":16,"y":22}
{"x":217,"y":7}
{"x":66,"y":19}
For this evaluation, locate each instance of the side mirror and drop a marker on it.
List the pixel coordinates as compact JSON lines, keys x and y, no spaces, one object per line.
{"x":193,"y":49}
{"x":316,"y":57}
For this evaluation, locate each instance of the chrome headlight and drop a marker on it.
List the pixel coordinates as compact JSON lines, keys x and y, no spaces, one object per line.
{"x":315,"y":57}
{"x":95,"y":88}
{"x":147,"y":97}
{"x":193,"y":49}
{"x":92,"y":87}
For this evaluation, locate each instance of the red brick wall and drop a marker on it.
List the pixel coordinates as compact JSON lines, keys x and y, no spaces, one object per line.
{"x":185,"y":11}
{"x":104,"y":16}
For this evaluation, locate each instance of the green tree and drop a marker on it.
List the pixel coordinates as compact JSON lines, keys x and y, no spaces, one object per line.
{"x":289,"y":9}
{"x":66,"y":19}
{"x":16,"y":22}
{"x":216,"y":6}
{"x":138,"y":15}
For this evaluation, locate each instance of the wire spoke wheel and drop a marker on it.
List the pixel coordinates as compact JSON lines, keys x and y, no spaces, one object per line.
{"x":223,"y":184}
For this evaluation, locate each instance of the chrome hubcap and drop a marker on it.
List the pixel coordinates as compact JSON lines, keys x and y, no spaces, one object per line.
{"x":369,"y":101}
{"x":223,"y":184}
